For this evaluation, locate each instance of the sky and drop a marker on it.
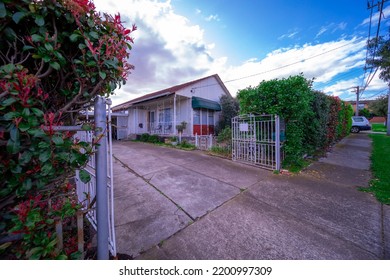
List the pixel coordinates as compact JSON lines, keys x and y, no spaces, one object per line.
{"x":249,"y":41}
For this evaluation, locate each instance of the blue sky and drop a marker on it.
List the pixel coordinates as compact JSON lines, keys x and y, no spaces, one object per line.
{"x":181,"y":40}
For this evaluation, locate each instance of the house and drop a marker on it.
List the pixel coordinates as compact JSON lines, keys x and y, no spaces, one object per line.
{"x":363,"y":104}
{"x":196,"y":103}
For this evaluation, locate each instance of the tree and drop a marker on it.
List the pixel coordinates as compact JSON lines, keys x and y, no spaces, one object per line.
{"x":56,"y":56}
{"x":379,"y":106}
{"x":379,"y":57}
{"x":230,"y":109}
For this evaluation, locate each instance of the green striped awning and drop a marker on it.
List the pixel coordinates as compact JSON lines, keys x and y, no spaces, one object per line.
{"x":201,"y":103}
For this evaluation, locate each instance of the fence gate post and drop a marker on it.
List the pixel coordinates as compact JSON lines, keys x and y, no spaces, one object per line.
{"x":277,"y":142}
{"x":101,"y":179}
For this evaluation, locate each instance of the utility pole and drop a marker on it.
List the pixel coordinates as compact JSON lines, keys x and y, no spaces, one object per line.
{"x":357,"y":100}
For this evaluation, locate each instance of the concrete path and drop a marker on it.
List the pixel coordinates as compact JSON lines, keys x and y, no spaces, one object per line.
{"x":173,"y":204}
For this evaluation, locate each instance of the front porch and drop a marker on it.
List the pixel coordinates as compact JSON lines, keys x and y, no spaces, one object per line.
{"x":161,"y":116}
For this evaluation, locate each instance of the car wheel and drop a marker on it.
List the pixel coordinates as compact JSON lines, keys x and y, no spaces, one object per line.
{"x":355,"y":129}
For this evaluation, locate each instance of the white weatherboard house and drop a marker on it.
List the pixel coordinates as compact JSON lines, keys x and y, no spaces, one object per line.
{"x":195,"y":102}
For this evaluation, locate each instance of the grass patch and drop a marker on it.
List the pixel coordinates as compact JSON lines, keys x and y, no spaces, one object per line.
{"x":378,"y":127}
{"x":380,"y":163}
{"x":221,"y":151}
{"x":297,"y":166}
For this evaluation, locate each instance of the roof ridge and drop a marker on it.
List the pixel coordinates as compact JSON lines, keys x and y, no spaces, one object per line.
{"x":167,"y":91}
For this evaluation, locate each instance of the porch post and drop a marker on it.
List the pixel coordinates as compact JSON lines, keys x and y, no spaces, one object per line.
{"x":174,"y":113}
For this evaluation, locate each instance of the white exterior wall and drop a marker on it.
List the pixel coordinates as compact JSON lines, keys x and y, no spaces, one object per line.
{"x":208,"y":89}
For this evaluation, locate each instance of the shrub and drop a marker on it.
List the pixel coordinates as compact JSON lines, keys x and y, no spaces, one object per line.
{"x":144,"y":137}
{"x":153,"y":139}
{"x":57,"y":57}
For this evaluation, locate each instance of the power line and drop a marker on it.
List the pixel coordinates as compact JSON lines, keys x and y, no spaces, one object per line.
{"x":370,"y":75}
{"x":290,"y":64}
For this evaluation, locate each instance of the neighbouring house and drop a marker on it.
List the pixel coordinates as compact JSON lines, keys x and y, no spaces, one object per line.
{"x":196,"y":103}
{"x":363,"y":104}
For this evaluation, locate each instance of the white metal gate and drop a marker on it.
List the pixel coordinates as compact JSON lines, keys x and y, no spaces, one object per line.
{"x":257,"y":140}
{"x":86,"y":192}
{"x":121,"y":126}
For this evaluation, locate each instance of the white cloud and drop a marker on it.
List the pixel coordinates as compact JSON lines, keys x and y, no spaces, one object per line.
{"x":290,"y":34}
{"x":212,"y":17}
{"x":375,"y":16}
{"x":169,"y":50}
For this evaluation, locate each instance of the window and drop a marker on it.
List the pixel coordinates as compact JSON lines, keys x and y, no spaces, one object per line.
{"x":211,"y":118}
{"x":196,"y":117}
{"x":204,"y":117}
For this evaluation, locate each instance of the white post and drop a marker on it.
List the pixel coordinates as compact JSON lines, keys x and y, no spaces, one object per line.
{"x":196,"y":140}
{"x":174,"y":115}
{"x":210,"y":141}
{"x":277,"y":142}
{"x":101,"y":179}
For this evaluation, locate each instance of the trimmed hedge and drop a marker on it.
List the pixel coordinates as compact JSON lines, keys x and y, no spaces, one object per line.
{"x":314,"y":120}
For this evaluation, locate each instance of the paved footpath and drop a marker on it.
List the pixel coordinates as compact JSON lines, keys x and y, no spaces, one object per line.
{"x":173,"y":204}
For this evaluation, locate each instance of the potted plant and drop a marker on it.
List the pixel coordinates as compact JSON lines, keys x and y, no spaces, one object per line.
{"x":180,"y":128}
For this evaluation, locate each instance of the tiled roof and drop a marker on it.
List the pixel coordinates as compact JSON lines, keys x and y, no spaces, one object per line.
{"x":164,"y":92}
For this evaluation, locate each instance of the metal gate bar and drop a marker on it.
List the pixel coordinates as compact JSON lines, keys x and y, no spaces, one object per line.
{"x":256,"y":140}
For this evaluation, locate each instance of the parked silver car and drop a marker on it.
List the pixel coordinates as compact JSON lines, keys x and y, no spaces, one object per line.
{"x":360,"y":123}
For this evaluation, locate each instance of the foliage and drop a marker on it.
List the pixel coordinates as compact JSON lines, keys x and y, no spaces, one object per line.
{"x":225,"y":135}
{"x":144,"y":137}
{"x":316,"y":125}
{"x":379,"y":56}
{"x":379,"y":106}
{"x":313,"y":120}
{"x":181,"y":127}
{"x":380,"y":184}
{"x":154,"y":139}
{"x":224,"y":151}
{"x":291,"y":99}
{"x":185,"y":145}
{"x":365,"y":112}
{"x":56,"y":57}
{"x":230,"y":108}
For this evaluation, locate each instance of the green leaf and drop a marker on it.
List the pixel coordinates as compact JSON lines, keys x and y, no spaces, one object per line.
{"x":11,"y":115}
{"x":10,"y":33}
{"x":24,"y":126}
{"x":55,"y":65}
{"x":37,"y":132}
{"x":45,"y":156}
{"x":13,"y":147}
{"x":37,"y":112}
{"x":14,"y":133}
{"x":94,"y":35}
{"x":39,"y":20}
{"x":43,"y":145}
{"x":17,"y":17}
{"x":26,"y":112}
{"x":49,"y":47}
{"x":8,"y":102}
{"x":73,"y":38}
{"x":3,"y":11}
{"x":57,"y":140}
{"x":27,"y":47}
{"x":46,"y":169}
{"x":84,"y":176}
{"x":37,"y":38}
{"x":25,"y":158}
{"x":102,"y":75}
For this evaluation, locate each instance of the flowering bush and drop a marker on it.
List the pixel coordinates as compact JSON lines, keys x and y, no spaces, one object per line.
{"x":56,"y":56}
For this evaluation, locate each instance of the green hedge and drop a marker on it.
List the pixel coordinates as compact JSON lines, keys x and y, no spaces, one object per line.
{"x":314,"y":121}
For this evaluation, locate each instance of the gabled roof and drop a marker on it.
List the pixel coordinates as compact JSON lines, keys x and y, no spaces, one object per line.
{"x":166,"y":92}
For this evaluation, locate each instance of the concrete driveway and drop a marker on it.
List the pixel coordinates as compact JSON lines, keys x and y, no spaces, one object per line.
{"x":173,"y":204}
